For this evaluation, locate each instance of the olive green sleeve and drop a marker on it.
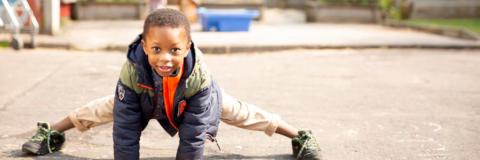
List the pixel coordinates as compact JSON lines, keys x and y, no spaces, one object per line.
{"x":199,"y":79}
{"x":128,"y":77}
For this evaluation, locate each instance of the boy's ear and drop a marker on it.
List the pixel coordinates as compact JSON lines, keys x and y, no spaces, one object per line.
{"x":144,"y":46}
{"x":189,"y":44}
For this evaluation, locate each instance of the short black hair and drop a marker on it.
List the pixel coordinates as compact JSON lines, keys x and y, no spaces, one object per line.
{"x":166,"y":17}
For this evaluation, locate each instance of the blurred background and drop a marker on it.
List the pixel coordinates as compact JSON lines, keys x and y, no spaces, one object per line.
{"x":373,"y":79}
{"x":454,"y":18}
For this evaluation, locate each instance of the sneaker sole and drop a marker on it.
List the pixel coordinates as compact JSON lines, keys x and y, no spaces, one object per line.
{"x":31,"y":149}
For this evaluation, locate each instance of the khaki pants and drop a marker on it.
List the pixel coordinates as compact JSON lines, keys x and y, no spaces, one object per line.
{"x":234,"y":112}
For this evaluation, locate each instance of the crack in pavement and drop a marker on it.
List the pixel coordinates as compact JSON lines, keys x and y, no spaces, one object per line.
{"x":19,"y":135}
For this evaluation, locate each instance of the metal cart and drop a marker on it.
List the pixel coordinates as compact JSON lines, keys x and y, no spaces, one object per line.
{"x":17,"y":17}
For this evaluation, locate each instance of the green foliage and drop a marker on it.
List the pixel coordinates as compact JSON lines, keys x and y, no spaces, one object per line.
{"x":391,"y":9}
{"x":469,"y":24}
{"x":395,"y":13}
{"x":4,"y":44}
{"x":348,"y":2}
{"x":394,"y":9}
{"x":385,"y":5}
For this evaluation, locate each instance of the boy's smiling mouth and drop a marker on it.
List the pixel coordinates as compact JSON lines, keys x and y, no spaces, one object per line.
{"x":164,"y":69}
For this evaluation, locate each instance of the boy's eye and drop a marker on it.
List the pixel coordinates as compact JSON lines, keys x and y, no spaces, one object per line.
{"x":175,"y":50}
{"x":155,"y":49}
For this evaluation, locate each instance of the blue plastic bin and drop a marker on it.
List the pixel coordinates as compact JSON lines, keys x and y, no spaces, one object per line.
{"x":226,"y":20}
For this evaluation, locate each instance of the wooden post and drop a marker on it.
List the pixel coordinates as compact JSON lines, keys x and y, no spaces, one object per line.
{"x":51,"y":17}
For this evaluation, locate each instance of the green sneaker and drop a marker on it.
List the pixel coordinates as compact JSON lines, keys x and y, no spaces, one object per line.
{"x":45,"y":141}
{"x":305,"y":146}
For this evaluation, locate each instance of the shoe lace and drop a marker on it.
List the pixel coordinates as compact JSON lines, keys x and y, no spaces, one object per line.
{"x":213,"y":139}
{"x":308,"y":143}
{"x":42,"y":134}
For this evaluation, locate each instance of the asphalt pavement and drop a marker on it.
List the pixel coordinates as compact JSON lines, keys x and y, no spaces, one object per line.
{"x":360,"y":104}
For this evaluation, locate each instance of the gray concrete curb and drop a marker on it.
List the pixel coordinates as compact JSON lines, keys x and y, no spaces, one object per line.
{"x":54,"y":45}
{"x":449,"y":32}
{"x":243,"y":49}
{"x":266,"y":48}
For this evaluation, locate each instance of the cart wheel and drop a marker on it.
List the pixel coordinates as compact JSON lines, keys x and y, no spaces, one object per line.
{"x":34,"y":44}
{"x":17,"y":43}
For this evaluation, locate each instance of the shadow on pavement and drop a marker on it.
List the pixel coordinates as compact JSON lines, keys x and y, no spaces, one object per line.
{"x":238,"y":156}
{"x":56,"y":155}
{"x":60,"y":155}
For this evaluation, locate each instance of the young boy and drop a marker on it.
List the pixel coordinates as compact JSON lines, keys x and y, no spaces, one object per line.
{"x":166,"y":79}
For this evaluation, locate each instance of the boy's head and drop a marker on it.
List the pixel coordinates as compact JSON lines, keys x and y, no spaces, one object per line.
{"x":166,"y":40}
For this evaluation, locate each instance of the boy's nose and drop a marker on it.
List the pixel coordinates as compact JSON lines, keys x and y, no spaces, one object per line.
{"x":165,"y":57}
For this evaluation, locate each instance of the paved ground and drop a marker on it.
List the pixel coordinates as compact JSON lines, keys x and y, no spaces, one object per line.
{"x":361,"y":104}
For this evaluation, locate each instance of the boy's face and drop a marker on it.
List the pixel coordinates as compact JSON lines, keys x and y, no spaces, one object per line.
{"x":165,"y":48}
